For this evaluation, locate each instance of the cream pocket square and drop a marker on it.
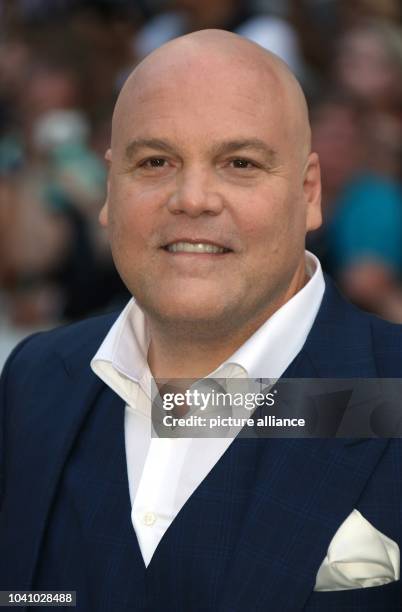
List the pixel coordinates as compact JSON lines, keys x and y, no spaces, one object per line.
{"x":358,"y":556}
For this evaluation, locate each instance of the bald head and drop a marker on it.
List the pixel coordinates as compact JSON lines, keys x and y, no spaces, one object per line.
{"x":210,"y":146}
{"x":220,"y":57}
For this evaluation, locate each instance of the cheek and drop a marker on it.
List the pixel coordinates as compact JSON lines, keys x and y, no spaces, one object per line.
{"x":269,"y":217}
{"x":131,"y":215}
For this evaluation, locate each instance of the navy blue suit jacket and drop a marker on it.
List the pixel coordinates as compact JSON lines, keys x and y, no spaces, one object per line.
{"x":253,"y":534}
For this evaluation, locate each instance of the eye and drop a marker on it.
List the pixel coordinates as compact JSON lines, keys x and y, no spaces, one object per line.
{"x":153,"y":162}
{"x":242,"y":164}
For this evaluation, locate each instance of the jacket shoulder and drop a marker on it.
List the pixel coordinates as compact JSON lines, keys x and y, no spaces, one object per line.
{"x":83,"y":336}
{"x":387,"y":344}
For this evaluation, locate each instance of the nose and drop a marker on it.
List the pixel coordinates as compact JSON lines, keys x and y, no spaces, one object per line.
{"x":195,"y":195}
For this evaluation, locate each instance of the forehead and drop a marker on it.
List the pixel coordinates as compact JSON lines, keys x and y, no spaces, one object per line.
{"x":201,"y":103}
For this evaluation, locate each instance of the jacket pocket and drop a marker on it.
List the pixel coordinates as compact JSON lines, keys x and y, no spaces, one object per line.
{"x":384,"y":598}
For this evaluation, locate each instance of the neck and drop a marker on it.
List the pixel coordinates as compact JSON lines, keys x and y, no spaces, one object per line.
{"x":187,"y":350}
{"x":179,"y":355}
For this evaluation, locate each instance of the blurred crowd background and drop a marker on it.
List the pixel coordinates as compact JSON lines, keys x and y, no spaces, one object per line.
{"x":62,"y":63}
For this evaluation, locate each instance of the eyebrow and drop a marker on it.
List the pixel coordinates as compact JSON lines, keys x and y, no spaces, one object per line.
{"x":231,"y":146}
{"x":221,"y":148}
{"x":147,"y":143}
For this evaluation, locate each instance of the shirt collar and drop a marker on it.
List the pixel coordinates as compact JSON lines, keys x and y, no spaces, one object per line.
{"x":121,"y":360}
{"x":272,"y":348}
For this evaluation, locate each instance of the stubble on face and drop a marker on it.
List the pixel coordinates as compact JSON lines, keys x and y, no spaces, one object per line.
{"x":237,"y":298}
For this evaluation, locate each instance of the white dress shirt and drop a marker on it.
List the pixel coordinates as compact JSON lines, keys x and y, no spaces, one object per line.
{"x":164,"y":472}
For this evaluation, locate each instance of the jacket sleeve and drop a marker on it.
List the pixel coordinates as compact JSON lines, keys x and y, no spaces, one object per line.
{"x":7,"y":374}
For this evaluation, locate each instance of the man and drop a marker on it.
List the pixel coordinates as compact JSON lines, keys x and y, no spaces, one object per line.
{"x":211,"y":190}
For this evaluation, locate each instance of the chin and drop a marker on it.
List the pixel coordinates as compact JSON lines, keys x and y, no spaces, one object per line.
{"x":185,"y":310}
{"x":191,"y":312}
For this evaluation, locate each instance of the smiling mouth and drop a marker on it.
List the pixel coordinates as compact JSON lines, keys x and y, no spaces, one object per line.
{"x":196,"y":247}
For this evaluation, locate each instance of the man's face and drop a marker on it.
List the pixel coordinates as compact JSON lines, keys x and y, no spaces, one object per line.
{"x":207,"y":206}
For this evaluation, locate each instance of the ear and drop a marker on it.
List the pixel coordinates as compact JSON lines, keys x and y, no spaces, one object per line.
{"x":104,"y":213}
{"x":312,"y":192}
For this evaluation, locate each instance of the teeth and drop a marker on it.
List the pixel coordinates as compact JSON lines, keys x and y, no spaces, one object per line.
{"x":199,"y":247}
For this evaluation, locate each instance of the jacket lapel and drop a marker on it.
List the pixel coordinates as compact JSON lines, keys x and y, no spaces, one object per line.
{"x":305,"y":489}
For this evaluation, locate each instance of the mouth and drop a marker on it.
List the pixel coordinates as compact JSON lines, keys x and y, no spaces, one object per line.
{"x":200,"y":247}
